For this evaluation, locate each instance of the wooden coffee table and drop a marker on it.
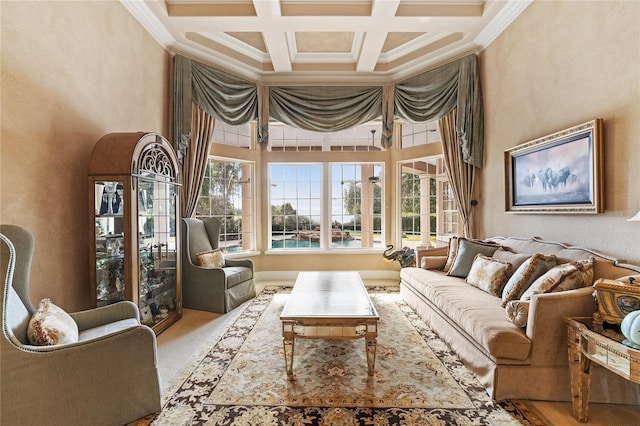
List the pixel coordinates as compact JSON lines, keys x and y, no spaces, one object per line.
{"x":329,"y":305}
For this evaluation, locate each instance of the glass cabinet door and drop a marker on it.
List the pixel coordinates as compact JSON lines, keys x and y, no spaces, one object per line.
{"x":157,"y":248}
{"x":109,"y":229}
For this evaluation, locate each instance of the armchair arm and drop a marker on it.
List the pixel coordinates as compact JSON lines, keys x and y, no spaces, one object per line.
{"x":106,"y":314}
{"x":239,"y":262}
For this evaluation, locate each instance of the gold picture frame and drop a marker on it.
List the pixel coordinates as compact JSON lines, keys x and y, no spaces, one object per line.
{"x":558,"y":173}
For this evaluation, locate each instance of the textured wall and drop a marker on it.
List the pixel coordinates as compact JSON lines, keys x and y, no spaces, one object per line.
{"x":71,"y":72}
{"x":560,"y":64}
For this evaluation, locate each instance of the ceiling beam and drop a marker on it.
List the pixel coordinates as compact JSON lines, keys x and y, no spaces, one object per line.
{"x":275,"y":39}
{"x":374,"y":40}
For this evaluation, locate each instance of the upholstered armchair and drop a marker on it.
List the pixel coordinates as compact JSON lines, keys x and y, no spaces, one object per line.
{"x":108,"y":377}
{"x":212,"y":289}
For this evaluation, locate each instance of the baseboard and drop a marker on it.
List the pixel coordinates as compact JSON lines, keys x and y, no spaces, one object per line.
{"x":292,"y":275}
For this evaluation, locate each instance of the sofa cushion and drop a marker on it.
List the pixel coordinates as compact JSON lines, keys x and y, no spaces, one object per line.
{"x":51,"y":325}
{"x":467,"y":251}
{"x":210,"y":259}
{"x":237,"y":274}
{"x":567,"y":276}
{"x":476,"y":312}
{"x":489,"y":274}
{"x":526,"y":274}
{"x":515,"y":259}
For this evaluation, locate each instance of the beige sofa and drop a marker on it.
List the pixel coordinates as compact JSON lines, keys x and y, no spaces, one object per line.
{"x":510,"y":361}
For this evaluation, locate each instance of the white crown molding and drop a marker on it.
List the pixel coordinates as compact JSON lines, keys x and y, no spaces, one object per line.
{"x":141,"y":11}
{"x":410,"y":46}
{"x":239,"y":46}
{"x":506,"y":15}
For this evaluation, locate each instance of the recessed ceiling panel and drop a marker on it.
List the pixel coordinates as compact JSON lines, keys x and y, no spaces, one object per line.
{"x":320,"y":42}
{"x":254,"y":40}
{"x":398,"y":39}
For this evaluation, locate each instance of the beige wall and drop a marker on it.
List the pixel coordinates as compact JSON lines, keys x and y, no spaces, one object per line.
{"x":559,"y":64}
{"x":71,"y":72}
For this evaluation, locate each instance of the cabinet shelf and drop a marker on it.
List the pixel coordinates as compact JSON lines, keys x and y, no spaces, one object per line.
{"x":135,"y":226}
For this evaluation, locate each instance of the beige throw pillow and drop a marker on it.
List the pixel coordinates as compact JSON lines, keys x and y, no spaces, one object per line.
{"x":488,"y":274}
{"x":518,"y":312}
{"x":433,"y":262}
{"x":567,"y":276}
{"x":211,"y":259}
{"x":525,"y":275}
{"x":51,"y":325}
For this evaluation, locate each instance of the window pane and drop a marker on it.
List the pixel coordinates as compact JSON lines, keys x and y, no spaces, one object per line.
{"x":428,"y":209}
{"x":227,"y":193}
{"x":295,"y":203}
{"x":356,"y":205}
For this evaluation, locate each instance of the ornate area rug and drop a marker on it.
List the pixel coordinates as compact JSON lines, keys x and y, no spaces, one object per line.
{"x":240,"y":379}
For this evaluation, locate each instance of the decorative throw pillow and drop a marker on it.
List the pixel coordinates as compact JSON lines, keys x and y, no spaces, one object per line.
{"x":467,"y":250}
{"x":50,"y":325}
{"x":451,"y":254}
{"x":515,"y":259}
{"x":488,"y":274}
{"x":567,"y":276}
{"x":211,"y":259}
{"x":518,"y":312}
{"x":433,"y":262}
{"x":525,"y":275}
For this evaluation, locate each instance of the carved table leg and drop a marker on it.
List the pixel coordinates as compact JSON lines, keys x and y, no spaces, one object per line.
{"x":288,"y":339}
{"x":580,"y":368}
{"x":371,"y":351}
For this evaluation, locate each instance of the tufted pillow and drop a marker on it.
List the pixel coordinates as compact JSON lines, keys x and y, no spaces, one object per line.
{"x":488,"y":274}
{"x":518,"y":312}
{"x":525,"y":275}
{"x":467,"y":250}
{"x":451,"y":254}
{"x":211,"y":259}
{"x":515,"y":259}
{"x":567,"y":276}
{"x":50,"y":325}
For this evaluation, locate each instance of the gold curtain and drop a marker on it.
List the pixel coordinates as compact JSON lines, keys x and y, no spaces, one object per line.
{"x":195,"y":159}
{"x":461,"y":175}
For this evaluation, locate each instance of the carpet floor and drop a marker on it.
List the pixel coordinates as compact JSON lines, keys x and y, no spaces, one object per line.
{"x":239,"y":377}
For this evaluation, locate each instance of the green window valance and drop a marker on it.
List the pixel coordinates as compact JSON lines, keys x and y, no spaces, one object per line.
{"x":433,"y":94}
{"x":222,"y":95}
{"x":325,"y":109}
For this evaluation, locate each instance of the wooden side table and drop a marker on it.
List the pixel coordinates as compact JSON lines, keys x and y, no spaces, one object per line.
{"x":605,"y":348}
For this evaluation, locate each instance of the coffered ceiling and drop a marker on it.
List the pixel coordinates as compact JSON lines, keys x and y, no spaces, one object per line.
{"x":316,"y":41}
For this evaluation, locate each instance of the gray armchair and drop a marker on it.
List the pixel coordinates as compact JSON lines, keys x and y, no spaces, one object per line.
{"x":212,"y":289}
{"x":108,"y":377}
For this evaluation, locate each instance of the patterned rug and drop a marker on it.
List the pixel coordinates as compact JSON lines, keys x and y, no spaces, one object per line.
{"x":240,"y":379}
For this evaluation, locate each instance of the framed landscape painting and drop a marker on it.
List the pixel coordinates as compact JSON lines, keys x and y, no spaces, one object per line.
{"x":558,"y":173}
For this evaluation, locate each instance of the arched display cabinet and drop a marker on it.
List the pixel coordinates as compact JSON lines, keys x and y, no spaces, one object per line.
{"x":134,"y":201}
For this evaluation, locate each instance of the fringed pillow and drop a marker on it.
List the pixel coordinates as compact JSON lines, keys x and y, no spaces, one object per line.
{"x":451,"y":254}
{"x":50,"y":325}
{"x":567,"y":276}
{"x":525,"y":275}
{"x":488,"y":274}
{"x":467,"y":250}
{"x":211,"y":259}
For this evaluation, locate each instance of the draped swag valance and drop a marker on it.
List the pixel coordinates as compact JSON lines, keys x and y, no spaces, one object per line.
{"x":425,"y":97}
